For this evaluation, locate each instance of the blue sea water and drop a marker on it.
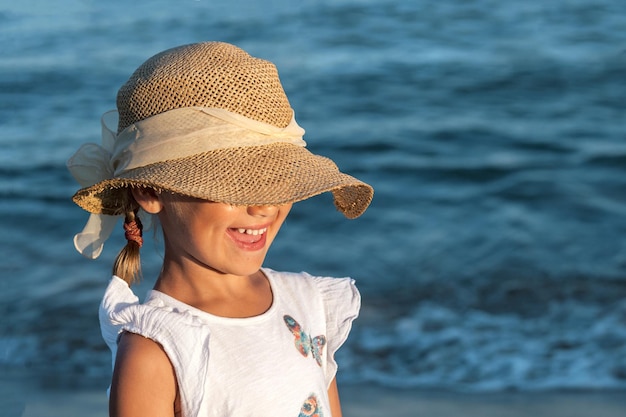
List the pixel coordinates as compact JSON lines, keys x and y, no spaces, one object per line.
{"x":493,"y":256}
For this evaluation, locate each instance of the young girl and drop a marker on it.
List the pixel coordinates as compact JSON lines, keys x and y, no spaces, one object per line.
{"x":206,"y":141}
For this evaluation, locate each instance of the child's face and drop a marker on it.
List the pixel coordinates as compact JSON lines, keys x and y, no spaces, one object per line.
{"x":218,"y":236}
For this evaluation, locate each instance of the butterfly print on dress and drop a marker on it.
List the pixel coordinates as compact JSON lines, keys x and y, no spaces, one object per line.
{"x":304,"y":343}
{"x":310,"y":408}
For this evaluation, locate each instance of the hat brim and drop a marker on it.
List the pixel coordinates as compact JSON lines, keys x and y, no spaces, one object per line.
{"x":273,"y":174}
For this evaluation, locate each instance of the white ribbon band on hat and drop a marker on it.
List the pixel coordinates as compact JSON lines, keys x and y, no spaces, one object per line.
{"x":171,"y":135}
{"x":192,"y":130}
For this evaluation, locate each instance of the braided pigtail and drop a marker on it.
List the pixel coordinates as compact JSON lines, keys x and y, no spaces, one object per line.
{"x":128,"y":263}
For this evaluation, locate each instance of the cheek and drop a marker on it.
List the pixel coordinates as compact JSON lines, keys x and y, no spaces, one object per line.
{"x":282,"y":216}
{"x":177,"y":226}
{"x":283,"y":213}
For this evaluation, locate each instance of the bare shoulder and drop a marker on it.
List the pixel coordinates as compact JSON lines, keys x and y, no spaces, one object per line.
{"x":144,"y":382}
{"x":135,"y":348}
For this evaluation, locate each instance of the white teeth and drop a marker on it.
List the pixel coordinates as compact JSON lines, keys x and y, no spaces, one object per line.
{"x":253,"y":232}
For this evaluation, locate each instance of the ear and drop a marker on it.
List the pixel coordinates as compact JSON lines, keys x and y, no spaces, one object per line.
{"x":148,"y":199}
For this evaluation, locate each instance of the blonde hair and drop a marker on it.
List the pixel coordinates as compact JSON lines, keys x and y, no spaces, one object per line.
{"x":128,"y":261}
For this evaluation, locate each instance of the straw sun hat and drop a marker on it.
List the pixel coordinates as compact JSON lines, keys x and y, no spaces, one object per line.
{"x":207,"y":120}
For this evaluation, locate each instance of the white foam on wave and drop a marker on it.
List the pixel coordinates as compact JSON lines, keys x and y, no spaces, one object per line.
{"x":571,"y":347}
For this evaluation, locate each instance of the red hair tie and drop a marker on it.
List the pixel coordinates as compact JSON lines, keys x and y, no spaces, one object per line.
{"x":133,"y":231}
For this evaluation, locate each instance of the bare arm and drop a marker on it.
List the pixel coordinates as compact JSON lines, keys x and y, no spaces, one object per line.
{"x":333,"y":398}
{"x":144,"y":382}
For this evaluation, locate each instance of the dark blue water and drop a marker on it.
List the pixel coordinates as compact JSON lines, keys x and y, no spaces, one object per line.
{"x":494,"y":253}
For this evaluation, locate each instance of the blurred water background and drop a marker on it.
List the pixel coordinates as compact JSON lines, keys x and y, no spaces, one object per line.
{"x":493,"y":256}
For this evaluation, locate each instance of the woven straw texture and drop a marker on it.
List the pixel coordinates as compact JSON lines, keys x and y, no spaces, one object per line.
{"x":224,"y":76}
{"x":210,"y":74}
{"x":266,"y":175}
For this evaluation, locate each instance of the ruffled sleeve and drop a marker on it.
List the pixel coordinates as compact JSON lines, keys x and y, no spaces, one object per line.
{"x":118,"y":297}
{"x":120,"y":311}
{"x":342,"y":303}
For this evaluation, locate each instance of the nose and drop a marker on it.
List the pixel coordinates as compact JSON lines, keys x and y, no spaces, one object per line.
{"x":262,"y":211}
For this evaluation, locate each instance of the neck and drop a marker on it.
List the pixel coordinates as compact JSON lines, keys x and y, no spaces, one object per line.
{"x":217,"y":293}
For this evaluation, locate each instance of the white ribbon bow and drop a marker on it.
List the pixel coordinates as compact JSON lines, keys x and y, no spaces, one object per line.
{"x":90,"y":165}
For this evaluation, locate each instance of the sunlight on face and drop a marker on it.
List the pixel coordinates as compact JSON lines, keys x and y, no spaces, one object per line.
{"x":219,"y":237}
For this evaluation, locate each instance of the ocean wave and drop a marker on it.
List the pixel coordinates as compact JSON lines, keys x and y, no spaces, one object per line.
{"x":569,"y":346}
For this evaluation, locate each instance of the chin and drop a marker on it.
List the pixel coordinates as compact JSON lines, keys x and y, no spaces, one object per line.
{"x":246,"y":270}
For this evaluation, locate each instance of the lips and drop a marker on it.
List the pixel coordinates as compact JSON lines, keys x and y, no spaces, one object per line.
{"x":249,"y":239}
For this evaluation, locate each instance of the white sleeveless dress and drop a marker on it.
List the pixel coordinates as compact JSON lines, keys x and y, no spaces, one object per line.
{"x":277,"y":364}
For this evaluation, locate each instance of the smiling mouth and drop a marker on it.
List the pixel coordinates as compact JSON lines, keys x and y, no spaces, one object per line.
{"x":253,"y":232}
{"x":249,"y":239}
